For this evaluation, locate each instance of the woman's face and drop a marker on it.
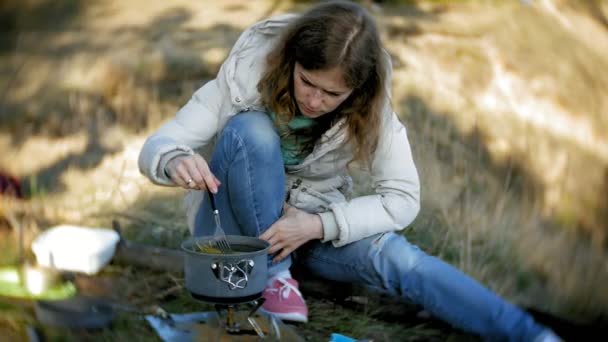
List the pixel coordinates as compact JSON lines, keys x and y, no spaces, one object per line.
{"x":319,"y":92}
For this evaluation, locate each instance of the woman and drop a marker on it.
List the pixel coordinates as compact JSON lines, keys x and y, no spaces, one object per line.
{"x":296,"y":101}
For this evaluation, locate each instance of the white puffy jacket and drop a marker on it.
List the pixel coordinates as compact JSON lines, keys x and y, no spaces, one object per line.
{"x":320,"y":184}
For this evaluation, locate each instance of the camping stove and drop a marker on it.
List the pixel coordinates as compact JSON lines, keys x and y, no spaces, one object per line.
{"x":239,"y":319}
{"x":231,"y":319}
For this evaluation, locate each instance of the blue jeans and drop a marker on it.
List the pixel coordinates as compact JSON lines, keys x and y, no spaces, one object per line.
{"x":247,"y":160}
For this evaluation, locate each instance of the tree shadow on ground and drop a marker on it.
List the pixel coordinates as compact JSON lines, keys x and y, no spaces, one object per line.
{"x":129,"y":101}
{"x":27,"y":115}
{"x":517,"y":177}
{"x":48,"y":178}
{"x":36,"y":16}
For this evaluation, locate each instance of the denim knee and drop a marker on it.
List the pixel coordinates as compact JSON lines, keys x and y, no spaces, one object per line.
{"x":398,"y":252}
{"x":256,"y":132}
{"x":394,"y":259}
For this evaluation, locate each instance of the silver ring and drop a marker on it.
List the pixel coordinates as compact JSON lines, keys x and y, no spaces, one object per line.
{"x":189,"y":181}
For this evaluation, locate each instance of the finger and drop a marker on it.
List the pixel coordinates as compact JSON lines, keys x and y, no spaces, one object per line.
{"x":274,"y":239}
{"x":284,"y":254}
{"x":194,"y":172}
{"x":200,"y":165}
{"x":208,"y":180}
{"x":177,"y":179}
{"x":267,"y":234}
{"x":184,"y":177}
{"x":275,"y":247}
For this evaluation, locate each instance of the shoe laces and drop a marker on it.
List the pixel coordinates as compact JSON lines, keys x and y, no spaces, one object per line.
{"x":285,"y":289}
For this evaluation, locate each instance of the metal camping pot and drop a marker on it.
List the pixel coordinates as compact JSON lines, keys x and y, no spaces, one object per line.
{"x":236,"y":277}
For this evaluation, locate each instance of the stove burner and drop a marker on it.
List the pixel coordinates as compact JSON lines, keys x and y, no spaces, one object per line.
{"x":232,"y":326}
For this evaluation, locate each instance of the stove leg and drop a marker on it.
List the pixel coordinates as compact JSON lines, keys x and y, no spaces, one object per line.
{"x":275,"y":327}
{"x":256,"y":305}
{"x":254,"y":324}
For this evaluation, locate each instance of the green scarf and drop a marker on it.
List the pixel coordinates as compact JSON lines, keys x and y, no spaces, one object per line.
{"x":296,"y":140}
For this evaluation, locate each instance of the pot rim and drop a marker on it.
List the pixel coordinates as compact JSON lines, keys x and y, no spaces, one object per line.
{"x":236,"y":239}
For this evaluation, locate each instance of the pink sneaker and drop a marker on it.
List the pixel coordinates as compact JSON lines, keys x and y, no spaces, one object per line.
{"x":284,"y":300}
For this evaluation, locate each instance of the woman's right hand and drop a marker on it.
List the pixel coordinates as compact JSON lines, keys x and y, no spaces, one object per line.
{"x":192,"y":172}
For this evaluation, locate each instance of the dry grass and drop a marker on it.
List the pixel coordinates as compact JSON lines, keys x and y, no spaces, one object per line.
{"x":511,"y":151}
{"x":497,"y":190}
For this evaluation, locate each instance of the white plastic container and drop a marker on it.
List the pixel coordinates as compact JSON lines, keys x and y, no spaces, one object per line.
{"x":74,"y":248}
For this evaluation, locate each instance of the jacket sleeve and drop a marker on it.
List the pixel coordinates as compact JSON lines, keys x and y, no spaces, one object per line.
{"x":395,"y":202}
{"x":194,"y":125}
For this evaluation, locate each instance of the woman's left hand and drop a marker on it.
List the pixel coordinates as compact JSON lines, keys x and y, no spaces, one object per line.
{"x":291,"y":231}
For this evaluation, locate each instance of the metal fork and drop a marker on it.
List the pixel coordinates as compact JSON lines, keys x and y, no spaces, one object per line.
{"x":219,"y":240}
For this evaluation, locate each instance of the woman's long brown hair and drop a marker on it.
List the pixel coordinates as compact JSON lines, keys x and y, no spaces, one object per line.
{"x":335,"y":34}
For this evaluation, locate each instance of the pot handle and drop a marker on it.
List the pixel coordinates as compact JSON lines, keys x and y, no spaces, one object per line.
{"x":236,"y":275}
